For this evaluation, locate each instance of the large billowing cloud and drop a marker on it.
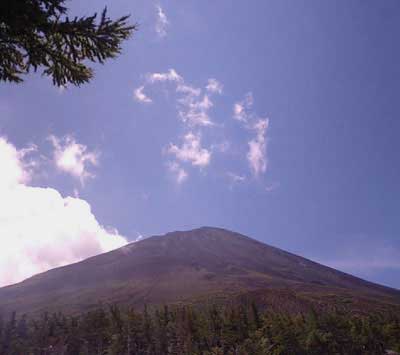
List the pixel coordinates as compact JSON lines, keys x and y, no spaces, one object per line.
{"x":39,"y":228}
{"x":13,"y":169}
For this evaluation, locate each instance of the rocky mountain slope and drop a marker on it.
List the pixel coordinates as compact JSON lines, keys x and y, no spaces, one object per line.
{"x":195,"y":266}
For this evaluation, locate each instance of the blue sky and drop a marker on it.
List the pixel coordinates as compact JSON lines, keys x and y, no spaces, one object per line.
{"x":309,"y":162}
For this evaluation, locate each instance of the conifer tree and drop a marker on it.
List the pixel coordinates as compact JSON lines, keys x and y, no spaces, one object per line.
{"x":39,"y":34}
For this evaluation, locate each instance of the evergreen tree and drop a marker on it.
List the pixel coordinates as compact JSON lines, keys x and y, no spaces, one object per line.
{"x":217,"y":330}
{"x":39,"y":34}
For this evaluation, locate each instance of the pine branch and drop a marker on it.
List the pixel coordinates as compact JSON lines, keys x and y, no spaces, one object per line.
{"x":37,"y":33}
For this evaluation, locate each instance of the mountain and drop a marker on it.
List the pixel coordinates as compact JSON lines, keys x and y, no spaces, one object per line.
{"x":195,"y":266}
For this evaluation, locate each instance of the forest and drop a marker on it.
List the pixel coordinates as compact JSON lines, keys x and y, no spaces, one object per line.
{"x":212,"y":330}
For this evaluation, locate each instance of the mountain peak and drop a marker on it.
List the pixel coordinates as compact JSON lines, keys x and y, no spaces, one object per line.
{"x":184,"y":266}
{"x":205,"y":233}
{"x":204,"y":230}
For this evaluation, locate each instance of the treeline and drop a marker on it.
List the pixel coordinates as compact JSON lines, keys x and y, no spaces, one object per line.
{"x":234,"y":330}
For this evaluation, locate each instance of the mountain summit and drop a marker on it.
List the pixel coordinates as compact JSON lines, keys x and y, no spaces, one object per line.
{"x":194,"y":266}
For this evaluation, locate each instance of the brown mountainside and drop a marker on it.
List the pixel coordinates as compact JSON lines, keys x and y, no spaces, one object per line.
{"x":194,"y":266}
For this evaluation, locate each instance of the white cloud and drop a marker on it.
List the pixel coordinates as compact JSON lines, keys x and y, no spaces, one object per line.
{"x":72,"y":157}
{"x":214,"y":86}
{"x":256,"y":155}
{"x":191,"y":151}
{"x":257,"y":147}
{"x":193,"y":106}
{"x":13,"y":168}
{"x":238,"y":111}
{"x":162,"y":22}
{"x":140,"y":96}
{"x":188,"y":90}
{"x":39,"y":228}
{"x":194,"y":111}
{"x":170,"y":75}
{"x":179,"y":173}
{"x":241,"y":108}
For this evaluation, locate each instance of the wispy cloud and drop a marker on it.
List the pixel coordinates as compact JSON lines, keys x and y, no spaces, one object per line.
{"x":194,"y":110}
{"x":140,"y":96}
{"x":241,"y":108}
{"x":170,"y":75}
{"x":214,"y":86}
{"x":193,"y":106}
{"x":73,"y":158}
{"x":39,"y":228}
{"x":188,"y":90}
{"x":161,"y":22}
{"x":179,"y":173}
{"x":191,"y":151}
{"x":257,"y":154}
{"x":257,"y":147}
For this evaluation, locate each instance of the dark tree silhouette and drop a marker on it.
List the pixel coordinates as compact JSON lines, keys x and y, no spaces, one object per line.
{"x":39,"y":34}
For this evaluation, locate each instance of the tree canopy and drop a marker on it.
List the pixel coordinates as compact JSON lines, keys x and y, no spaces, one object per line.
{"x":209,"y":330}
{"x":38,"y":34}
